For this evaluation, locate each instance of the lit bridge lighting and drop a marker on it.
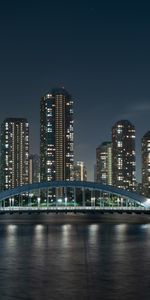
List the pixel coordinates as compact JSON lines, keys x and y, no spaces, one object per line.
{"x":76,"y":197}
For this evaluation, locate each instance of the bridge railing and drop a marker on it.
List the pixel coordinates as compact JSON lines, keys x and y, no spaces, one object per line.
{"x":71,"y":208}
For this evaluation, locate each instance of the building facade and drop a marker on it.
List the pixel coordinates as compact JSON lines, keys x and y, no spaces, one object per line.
{"x":123,"y":155}
{"x":56,"y":136}
{"x":34,"y":168}
{"x":104,"y":163}
{"x":146,"y":164}
{"x":80,"y":171}
{"x":14,"y":153}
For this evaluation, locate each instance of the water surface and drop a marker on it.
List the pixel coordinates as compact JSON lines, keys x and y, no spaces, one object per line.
{"x":82,"y":260}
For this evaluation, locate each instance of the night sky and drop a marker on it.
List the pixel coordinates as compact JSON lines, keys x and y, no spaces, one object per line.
{"x":98,"y":50}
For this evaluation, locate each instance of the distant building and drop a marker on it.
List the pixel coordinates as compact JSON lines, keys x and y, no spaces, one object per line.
{"x":123,"y":155}
{"x":146,"y":164}
{"x":56,"y":137}
{"x":95,"y":175}
{"x":14,"y":153}
{"x":80,"y":172}
{"x":139,"y":188}
{"x":104,"y":163}
{"x":34,"y":168}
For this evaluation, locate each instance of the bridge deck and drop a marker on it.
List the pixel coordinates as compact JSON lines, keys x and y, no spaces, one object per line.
{"x":73,"y":209}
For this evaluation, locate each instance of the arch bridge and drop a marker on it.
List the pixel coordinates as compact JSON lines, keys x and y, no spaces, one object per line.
{"x":71,"y":196}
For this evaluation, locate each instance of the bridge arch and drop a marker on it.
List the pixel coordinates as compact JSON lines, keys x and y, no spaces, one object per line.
{"x":134,"y":197}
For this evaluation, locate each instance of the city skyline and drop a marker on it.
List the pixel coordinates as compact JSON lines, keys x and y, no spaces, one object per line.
{"x":138,"y":166}
{"x":102,"y":59}
{"x":56,"y":95}
{"x":79,"y":154}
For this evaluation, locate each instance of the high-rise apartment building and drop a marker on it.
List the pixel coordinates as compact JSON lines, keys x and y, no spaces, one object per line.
{"x":56,"y":136}
{"x":104,"y":163}
{"x":146,"y":164}
{"x":123,"y":155}
{"x":34,"y":168}
{"x":80,"y":172}
{"x":14,"y":153}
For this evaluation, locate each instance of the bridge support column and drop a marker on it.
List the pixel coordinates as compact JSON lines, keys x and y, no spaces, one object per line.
{"x":101,"y":200}
{"x":19,"y":201}
{"x":56,"y":199}
{"x":92,"y":198}
{"x":118,"y":201}
{"x":10,"y":202}
{"x":74,"y":193}
{"x":65,"y":195}
{"x":38,"y":201}
{"x":47,"y":200}
{"x":121,"y":202}
{"x":83,"y":196}
{"x":109,"y":200}
{"x":29,"y":199}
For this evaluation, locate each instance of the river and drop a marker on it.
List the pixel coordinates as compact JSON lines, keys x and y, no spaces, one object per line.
{"x":74,"y":258}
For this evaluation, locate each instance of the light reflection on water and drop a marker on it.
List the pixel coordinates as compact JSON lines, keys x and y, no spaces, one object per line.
{"x":39,"y":228}
{"x":11,"y":229}
{"x":75,"y":261}
{"x":65,"y":237}
{"x":146,"y":227}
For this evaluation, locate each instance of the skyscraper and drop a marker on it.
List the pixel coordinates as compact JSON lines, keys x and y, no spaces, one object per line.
{"x":104,"y":163}
{"x":80,"y":172}
{"x":146,"y":164}
{"x":14,"y":153}
{"x":123,"y":155}
{"x":56,"y":136}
